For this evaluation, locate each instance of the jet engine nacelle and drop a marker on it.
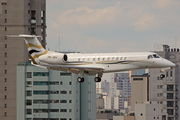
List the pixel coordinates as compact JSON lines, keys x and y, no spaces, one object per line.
{"x":57,"y":58}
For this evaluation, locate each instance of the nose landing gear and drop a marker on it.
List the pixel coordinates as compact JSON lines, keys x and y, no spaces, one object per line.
{"x":162,"y":76}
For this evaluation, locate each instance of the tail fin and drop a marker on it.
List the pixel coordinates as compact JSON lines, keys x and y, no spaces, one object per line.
{"x":33,"y":45}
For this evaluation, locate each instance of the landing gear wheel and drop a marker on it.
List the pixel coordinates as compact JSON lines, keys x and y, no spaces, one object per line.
{"x":162,"y":76}
{"x":80,"y":80}
{"x":97,"y":79}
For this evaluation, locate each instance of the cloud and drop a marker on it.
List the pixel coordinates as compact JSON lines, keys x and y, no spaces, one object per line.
{"x":84,"y":16}
{"x":145,"y":23}
{"x":113,"y":25}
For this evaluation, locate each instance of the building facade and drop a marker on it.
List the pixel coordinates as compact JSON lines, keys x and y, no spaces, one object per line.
{"x":16,"y":17}
{"x":165,"y":90}
{"x":44,"y":94}
{"x":162,"y":90}
{"x":139,"y":89}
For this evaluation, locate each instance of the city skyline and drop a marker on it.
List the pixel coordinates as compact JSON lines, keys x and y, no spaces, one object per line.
{"x":112,"y":26}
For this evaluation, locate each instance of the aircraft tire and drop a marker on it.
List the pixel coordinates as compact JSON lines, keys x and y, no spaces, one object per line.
{"x":80,"y":80}
{"x":97,"y":79}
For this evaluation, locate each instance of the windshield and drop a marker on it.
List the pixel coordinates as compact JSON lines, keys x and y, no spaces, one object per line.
{"x":155,"y":56}
{"x":150,"y":56}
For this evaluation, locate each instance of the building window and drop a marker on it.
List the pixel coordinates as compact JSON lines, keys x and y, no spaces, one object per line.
{"x":61,"y":83}
{"x":70,"y":83}
{"x":170,"y":111}
{"x":170,"y":87}
{"x":54,"y":110}
{"x":5,"y":71}
{"x":5,"y":79}
{"x":53,"y":92}
{"x":5,"y":28}
{"x":65,"y":74}
{"x":29,"y":4}
{"x":29,"y":75}
{"x":63,"y":92}
{"x":3,"y":3}
{"x":5,"y":20}
{"x":28,"y":102}
{"x":70,"y":92}
{"x":5,"y":62}
{"x":5,"y":54}
{"x":170,"y":103}
{"x":170,"y":95}
{"x":40,"y":92}
{"x":28,"y":111}
{"x":33,"y":30}
{"x":54,"y":83}
{"x":40,"y":74}
{"x":28,"y":93}
{"x":63,"y":101}
{"x":5,"y":37}
{"x":5,"y":105}
{"x":5,"y":11}
{"x":5,"y":45}
{"x":41,"y":101}
{"x":5,"y":88}
{"x":63,"y":110}
{"x":54,"y":101}
{"x":70,"y":101}
{"x":5,"y":113}
{"x":5,"y":97}
{"x":70,"y":110}
{"x":40,"y":83}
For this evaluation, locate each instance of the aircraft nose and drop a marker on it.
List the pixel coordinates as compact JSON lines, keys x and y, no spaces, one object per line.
{"x":169,"y":63}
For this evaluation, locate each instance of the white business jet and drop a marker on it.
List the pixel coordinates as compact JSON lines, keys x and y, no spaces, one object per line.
{"x":91,"y":64}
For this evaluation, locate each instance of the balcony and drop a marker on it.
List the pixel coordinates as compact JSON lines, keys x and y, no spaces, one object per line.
{"x":40,"y":106}
{"x":41,"y":115}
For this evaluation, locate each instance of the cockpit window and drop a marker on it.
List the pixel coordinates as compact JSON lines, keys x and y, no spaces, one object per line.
{"x":155,"y":56}
{"x":150,"y":57}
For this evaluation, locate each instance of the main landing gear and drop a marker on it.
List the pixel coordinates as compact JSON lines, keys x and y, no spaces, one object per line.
{"x":80,"y":79}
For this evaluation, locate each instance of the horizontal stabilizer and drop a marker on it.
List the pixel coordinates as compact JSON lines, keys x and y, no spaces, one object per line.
{"x":23,"y":36}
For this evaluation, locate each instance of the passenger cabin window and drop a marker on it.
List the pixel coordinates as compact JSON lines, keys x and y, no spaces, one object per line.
{"x":150,"y":57}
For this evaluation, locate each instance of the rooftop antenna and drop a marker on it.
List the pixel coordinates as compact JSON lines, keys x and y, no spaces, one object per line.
{"x":175,"y":42}
{"x":59,"y":44}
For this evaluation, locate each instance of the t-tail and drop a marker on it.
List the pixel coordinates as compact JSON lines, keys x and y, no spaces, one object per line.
{"x":33,"y":45}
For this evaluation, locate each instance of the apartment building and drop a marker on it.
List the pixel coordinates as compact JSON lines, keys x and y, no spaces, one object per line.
{"x":16,"y":17}
{"x":44,"y":94}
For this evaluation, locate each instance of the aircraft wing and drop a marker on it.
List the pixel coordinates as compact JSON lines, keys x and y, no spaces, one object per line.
{"x":74,"y":69}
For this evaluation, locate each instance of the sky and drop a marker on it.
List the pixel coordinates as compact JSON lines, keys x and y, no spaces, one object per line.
{"x":106,"y":26}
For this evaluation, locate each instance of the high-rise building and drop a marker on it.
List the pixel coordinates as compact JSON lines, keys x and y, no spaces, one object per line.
{"x":102,"y":87}
{"x":16,"y":17}
{"x":139,"y":89}
{"x":123,"y":83}
{"x":162,"y":90}
{"x":165,"y":90}
{"x":44,"y":94}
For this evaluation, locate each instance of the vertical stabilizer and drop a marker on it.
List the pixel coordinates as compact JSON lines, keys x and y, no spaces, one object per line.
{"x":34,"y":46}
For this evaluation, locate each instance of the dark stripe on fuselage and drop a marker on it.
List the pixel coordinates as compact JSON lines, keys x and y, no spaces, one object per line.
{"x":32,"y":51}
